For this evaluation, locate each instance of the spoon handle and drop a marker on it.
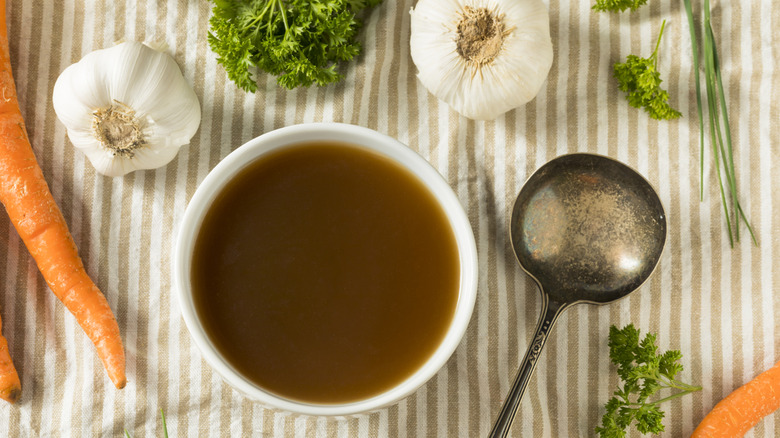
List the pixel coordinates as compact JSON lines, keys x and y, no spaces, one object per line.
{"x":549,"y":314}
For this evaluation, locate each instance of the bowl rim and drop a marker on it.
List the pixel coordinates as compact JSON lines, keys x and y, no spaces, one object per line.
{"x":361,"y":137}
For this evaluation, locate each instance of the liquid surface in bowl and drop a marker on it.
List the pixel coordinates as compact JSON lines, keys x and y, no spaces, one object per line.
{"x":325,"y":273}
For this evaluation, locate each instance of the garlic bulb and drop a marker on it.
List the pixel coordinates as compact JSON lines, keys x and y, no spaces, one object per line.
{"x":482,"y":57}
{"x":127,"y":107}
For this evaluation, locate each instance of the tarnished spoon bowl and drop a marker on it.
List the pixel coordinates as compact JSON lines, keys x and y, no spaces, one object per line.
{"x":588,"y":229}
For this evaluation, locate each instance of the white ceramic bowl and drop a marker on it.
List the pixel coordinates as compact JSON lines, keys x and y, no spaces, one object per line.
{"x":371,"y":140}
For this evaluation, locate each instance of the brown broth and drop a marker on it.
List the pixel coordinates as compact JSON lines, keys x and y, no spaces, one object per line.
{"x":325,"y":273}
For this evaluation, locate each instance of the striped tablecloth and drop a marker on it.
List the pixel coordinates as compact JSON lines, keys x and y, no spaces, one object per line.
{"x":718,"y":305}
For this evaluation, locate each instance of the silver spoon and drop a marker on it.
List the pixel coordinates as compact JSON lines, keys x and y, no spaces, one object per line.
{"x":588,"y":229}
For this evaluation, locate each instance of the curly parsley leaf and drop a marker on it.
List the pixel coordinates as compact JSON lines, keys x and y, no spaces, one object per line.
{"x":640,"y":80}
{"x":618,"y":5}
{"x":299,"y":41}
{"x":644,"y":372}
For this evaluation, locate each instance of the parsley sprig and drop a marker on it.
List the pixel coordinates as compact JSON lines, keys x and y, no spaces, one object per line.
{"x":640,"y":80}
{"x":618,"y":5}
{"x":299,"y":41}
{"x":644,"y":372}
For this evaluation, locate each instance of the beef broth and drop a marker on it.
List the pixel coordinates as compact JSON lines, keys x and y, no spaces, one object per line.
{"x":325,"y":273}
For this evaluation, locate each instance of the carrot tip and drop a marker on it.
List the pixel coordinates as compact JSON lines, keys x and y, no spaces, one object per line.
{"x":13,"y":395}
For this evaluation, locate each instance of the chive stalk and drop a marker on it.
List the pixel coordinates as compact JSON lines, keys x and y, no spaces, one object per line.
{"x":720,"y":133}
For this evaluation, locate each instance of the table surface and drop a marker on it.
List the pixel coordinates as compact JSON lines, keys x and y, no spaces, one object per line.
{"x":715,"y":304}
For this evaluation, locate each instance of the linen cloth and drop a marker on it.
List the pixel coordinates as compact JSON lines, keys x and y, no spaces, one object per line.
{"x":718,"y":305}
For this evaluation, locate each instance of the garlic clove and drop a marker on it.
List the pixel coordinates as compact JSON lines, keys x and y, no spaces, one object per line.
{"x":105,"y":162}
{"x":146,"y":158}
{"x":173,"y":123}
{"x":74,"y":109}
{"x":127,"y":108}
{"x":146,"y":80}
{"x":82,"y":138}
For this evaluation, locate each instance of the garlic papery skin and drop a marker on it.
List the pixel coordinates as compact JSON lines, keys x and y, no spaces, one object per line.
{"x":127,"y":108}
{"x":481,"y":57}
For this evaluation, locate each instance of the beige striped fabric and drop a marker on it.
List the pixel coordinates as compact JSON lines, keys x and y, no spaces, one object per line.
{"x":718,"y":305}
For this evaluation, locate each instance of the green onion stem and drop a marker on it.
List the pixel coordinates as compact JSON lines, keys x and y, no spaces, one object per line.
{"x":695,"y":47}
{"x":714,"y":122}
{"x":738,"y":213}
{"x":720,"y":133}
{"x":726,"y":154}
{"x":165,"y":426}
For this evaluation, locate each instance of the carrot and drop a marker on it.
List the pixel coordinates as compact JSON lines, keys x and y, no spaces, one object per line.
{"x":10,"y":387}
{"x":40,"y":224}
{"x":736,"y":414}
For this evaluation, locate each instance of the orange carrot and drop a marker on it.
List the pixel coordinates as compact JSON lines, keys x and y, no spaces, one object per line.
{"x":10,"y":387}
{"x":736,"y":414}
{"x":40,"y":224}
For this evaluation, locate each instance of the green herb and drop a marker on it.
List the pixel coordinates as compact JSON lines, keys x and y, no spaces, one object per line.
{"x":640,"y":79}
{"x":643,"y":372}
{"x":618,"y":5}
{"x":165,"y":427}
{"x":299,"y":41}
{"x":716,"y":110}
